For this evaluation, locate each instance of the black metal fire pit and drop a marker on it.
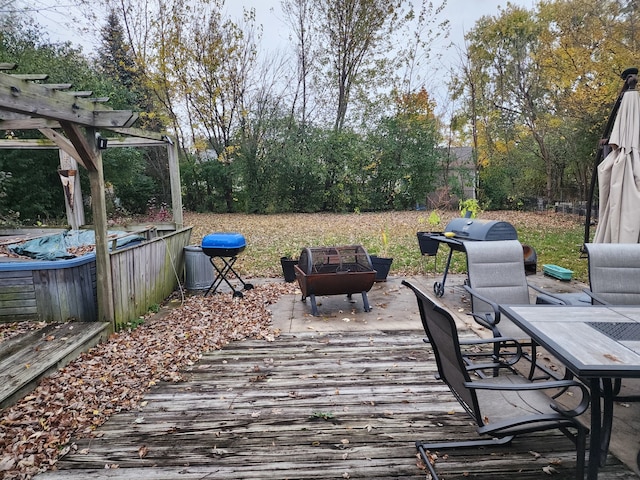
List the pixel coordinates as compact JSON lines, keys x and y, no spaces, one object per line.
{"x":334,"y":271}
{"x":223,"y":250}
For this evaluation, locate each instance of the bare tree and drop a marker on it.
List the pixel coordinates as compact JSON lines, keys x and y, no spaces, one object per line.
{"x":299,"y":15}
{"x":354,"y":35}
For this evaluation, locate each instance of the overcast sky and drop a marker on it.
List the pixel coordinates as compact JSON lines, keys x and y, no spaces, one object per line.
{"x":54,"y":14}
{"x":462,"y":14}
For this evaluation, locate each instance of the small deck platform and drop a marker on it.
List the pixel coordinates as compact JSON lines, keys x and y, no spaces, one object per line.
{"x":340,"y":405}
{"x":26,"y":358}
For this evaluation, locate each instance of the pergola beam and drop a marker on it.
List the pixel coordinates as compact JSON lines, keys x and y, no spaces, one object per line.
{"x":22,"y":96}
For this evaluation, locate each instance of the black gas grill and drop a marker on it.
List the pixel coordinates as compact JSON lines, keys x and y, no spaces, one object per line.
{"x":481,"y":230}
{"x":460,"y":230}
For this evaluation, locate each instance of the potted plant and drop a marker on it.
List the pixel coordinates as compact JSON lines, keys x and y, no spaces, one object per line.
{"x":382,"y":264}
{"x":287,"y":268}
{"x":429,"y":246}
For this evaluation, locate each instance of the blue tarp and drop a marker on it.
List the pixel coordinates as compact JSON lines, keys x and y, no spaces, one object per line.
{"x":55,"y":247}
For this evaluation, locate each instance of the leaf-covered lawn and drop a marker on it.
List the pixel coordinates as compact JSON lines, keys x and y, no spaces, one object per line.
{"x":557,"y":238}
{"x":114,"y":375}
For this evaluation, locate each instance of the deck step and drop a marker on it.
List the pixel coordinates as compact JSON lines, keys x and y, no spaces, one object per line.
{"x":27,"y":358}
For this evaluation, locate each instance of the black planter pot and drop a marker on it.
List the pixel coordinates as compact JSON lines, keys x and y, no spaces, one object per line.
{"x":382,"y":266}
{"x":428,"y":246}
{"x":287,"y":268}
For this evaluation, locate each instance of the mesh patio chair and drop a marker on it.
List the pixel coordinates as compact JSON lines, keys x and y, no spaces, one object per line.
{"x":496,"y":275}
{"x":502,"y":406}
{"x":614,"y":273}
{"x":614,"y":278}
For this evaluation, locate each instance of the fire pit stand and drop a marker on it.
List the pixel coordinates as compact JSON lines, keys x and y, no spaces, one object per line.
{"x":335,"y":270}
{"x":225,"y":247}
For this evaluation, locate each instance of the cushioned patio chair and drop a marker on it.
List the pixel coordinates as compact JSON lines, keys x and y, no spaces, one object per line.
{"x":502,"y":406}
{"x":496,"y":274}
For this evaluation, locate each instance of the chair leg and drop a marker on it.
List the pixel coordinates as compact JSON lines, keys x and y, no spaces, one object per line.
{"x":580,"y":441}
{"x":423,"y":447}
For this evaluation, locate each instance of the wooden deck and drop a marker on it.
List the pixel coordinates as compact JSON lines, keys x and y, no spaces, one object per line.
{"x":25,"y":359}
{"x":307,"y":406}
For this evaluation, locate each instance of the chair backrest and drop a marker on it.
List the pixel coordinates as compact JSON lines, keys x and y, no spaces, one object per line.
{"x":614,"y":272}
{"x":496,"y":271}
{"x":440,"y":328}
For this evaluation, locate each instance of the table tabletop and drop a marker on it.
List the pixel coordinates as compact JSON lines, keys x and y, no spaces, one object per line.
{"x":592,"y":341}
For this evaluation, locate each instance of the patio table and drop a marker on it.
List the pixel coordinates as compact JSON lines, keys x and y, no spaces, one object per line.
{"x":597,"y":343}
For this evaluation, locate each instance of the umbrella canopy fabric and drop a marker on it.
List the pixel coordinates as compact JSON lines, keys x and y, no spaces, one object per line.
{"x":619,"y":177}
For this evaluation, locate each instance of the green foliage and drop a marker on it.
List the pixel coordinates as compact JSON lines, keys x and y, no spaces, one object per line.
{"x":433,"y":219}
{"x":204,"y":181}
{"x":470,"y":207}
{"x":322,"y":415}
{"x":33,"y":192}
{"x":124,"y":169}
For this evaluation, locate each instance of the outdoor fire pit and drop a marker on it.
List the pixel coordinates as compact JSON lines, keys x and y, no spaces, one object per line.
{"x":343,"y":270}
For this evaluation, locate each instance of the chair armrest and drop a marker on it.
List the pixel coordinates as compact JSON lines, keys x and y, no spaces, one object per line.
{"x":513,"y":356}
{"x":556,"y":299}
{"x":494,"y":305}
{"x":486,"y":321}
{"x":555,"y":384}
{"x":595,"y":298}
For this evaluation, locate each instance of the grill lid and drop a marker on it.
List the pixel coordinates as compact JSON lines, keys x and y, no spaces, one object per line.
{"x":223,"y":244}
{"x":483,"y":230}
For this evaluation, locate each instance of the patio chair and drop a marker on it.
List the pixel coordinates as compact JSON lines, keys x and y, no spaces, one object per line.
{"x":614,"y":273}
{"x":496,"y":274}
{"x":502,"y":406}
{"x":614,"y":278}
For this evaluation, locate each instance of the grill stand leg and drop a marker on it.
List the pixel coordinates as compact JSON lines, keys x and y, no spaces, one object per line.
{"x":438,"y":287}
{"x":221,"y":275}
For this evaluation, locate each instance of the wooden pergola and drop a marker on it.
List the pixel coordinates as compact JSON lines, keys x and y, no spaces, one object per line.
{"x":71,"y":121}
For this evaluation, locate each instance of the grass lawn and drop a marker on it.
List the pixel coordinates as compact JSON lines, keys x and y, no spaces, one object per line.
{"x":556,"y":237}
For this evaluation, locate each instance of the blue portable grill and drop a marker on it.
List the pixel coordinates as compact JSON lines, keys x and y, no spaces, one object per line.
{"x":225,"y":247}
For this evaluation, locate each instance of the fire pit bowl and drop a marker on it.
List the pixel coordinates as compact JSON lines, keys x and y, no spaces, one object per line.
{"x":334,"y":271}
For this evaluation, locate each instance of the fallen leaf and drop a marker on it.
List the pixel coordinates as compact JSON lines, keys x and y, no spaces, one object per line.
{"x":612,"y":357}
{"x":143,"y":451}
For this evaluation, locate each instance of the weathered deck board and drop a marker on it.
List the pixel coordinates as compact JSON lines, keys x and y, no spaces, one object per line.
{"x":307,"y":406}
{"x":27,"y":358}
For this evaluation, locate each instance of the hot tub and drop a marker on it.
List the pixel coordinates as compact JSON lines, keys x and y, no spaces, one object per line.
{"x":51,"y":291}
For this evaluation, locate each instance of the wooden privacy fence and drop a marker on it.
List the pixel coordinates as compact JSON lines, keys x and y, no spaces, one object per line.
{"x":146,"y":274}
{"x":60,"y":291}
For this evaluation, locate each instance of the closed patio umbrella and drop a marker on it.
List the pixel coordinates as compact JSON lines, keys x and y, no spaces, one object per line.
{"x":619,"y":175}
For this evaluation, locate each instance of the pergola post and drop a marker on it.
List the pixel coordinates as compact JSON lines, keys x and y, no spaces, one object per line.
{"x":174,"y":177}
{"x":73,"y":205}
{"x":104,"y":283}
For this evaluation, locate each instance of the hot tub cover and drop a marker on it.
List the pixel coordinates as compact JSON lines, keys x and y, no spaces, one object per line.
{"x":56,"y":247}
